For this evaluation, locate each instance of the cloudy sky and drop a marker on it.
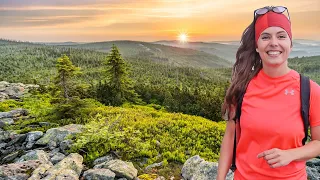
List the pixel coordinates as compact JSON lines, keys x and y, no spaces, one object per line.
{"x":144,"y":20}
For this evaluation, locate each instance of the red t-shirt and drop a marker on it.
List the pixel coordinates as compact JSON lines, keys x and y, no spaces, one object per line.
{"x":271,"y":118}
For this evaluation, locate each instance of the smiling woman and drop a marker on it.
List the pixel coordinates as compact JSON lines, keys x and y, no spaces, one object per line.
{"x":268,"y":140}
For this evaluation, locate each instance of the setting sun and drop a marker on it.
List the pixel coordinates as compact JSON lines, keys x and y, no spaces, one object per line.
{"x":183,"y":37}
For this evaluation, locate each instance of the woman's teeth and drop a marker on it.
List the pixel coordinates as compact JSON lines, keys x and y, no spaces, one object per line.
{"x":273,"y":52}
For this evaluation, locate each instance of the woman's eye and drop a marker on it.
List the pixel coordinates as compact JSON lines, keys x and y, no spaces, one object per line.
{"x":282,"y":36}
{"x":265,"y":37}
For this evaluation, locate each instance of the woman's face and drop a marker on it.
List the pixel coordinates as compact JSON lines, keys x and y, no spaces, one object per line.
{"x":274,"y":46}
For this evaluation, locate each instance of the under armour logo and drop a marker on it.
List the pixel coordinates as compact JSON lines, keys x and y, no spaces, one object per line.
{"x":286,"y":92}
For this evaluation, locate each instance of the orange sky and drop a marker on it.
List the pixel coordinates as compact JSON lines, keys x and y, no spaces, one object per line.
{"x":144,"y":20}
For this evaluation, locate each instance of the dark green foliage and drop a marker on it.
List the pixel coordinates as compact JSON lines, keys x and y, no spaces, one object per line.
{"x":309,"y":66}
{"x":118,"y":87}
{"x":66,"y":70}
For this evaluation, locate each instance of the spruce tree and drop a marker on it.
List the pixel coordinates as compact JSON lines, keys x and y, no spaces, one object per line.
{"x":66,"y":70}
{"x":118,"y":85}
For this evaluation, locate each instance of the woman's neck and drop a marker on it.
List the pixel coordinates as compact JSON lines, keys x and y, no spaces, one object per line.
{"x":276,"y":71}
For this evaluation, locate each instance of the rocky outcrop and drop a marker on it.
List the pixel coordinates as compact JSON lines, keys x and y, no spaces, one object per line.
{"x":14,"y":90}
{"x":8,"y":118}
{"x":55,"y":136}
{"x":43,"y":156}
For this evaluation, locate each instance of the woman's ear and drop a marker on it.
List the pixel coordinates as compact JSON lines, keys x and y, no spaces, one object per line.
{"x":257,"y":50}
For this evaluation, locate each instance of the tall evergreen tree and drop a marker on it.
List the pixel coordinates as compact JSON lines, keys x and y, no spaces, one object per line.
{"x":66,"y":70}
{"x":118,"y":87}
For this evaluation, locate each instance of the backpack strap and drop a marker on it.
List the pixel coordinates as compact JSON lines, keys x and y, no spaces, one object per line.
{"x":305,"y":104}
{"x":236,"y":120}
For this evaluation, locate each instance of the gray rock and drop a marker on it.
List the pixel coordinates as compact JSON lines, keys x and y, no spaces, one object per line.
{"x":39,"y":172}
{"x":67,"y":174}
{"x":14,"y":113}
{"x":99,"y":174}
{"x":106,"y":158}
{"x":54,"y":152}
{"x":190,"y":167}
{"x":23,"y":169}
{"x":40,"y":155}
{"x":6,"y":122}
{"x":57,"y":135}
{"x":313,"y":162}
{"x":154,"y":165}
{"x":71,"y":167}
{"x":196,"y":168}
{"x":17,"y":139}
{"x":29,"y":145}
{"x":4,"y":84}
{"x":313,"y":174}
{"x":3,"y":96}
{"x":120,"y":168}
{"x":2,"y":145}
{"x":7,"y":150}
{"x":57,"y":158}
{"x":52,"y":145}
{"x":10,"y":157}
{"x":34,"y":135}
{"x":6,"y":135}
{"x":65,"y":145}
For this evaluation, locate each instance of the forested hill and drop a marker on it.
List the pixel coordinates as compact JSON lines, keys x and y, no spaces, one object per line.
{"x":183,"y":89}
{"x":160,"y":53}
{"x":309,"y":66}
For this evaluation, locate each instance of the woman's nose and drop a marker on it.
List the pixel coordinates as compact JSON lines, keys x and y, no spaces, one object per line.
{"x":274,"y":41}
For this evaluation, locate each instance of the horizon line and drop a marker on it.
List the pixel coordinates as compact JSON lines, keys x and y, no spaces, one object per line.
{"x":133,"y":41}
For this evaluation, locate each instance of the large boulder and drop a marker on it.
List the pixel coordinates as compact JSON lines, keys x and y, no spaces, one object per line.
{"x":195,"y":168}
{"x":14,"y":113}
{"x":53,"y":137}
{"x":120,"y":168}
{"x":19,"y":171}
{"x":40,"y":155}
{"x":99,"y":174}
{"x":70,"y":167}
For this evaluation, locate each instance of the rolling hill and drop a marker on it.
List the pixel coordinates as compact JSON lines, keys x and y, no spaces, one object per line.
{"x":228,"y":49}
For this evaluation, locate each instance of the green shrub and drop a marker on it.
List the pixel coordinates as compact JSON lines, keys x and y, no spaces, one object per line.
{"x":140,"y":131}
{"x":9,"y":105}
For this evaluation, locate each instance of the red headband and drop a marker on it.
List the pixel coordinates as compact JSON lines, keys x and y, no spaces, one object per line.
{"x":272,"y":19}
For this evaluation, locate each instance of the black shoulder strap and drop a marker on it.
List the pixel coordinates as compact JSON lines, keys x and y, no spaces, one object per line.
{"x":236,"y":120}
{"x":305,"y":104}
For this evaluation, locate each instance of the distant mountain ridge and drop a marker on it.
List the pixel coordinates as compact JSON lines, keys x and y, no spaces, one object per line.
{"x":214,"y":53}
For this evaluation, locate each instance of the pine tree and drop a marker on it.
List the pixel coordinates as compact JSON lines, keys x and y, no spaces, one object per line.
{"x":118,"y":84}
{"x":66,"y":70}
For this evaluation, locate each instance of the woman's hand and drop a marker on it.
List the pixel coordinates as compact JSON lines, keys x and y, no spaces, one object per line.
{"x":276,"y":157}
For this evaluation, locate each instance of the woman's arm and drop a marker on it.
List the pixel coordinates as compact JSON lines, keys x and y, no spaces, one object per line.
{"x":226,"y":150}
{"x":311,"y":149}
{"x":276,"y":157}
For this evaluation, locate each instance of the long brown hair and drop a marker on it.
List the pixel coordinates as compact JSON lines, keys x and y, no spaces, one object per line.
{"x":242,"y":71}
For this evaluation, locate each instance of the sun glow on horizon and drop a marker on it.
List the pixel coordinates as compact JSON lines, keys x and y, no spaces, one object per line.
{"x":183,"y":37}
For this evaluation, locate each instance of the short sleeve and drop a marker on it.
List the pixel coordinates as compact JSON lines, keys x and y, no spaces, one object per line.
{"x":314,"y":111}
